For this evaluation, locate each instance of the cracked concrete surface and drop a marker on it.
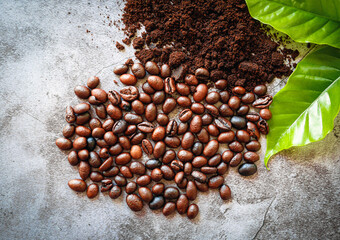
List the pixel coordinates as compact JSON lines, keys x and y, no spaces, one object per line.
{"x":45,"y":52}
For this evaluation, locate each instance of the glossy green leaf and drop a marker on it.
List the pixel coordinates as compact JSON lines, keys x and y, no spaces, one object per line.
{"x":304,"y":110}
{"x":315,"y":21}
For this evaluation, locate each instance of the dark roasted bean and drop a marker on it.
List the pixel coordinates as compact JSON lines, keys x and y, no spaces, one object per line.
{"x":120,"y":181}
{"x":137,"y":168}
{"x":146,"y":127}
{"x":197,"y":108}
{"x":158,"y":97}
{"x":168,"y":173}
{"x":192,"y":211}
{"x":183,"y":89}
{"x":207,"y":119}
{"x":212,"y":109}
{"x":182,"y":128}
{"x":169,"y":85}
{"x":77,"y":185}
{"x":151,"y":112}
{"x":115,"y":192}
{"x":253,"y":146}
{"x":152,"y":164}
{"x":158,"y":134}
{"x":199,"y":176}
{"x":119,"y":127}
{"x":176,"y":165}
{"x":162,"y":119}
{"x":243,"y":136}
{"x":169,"y":208}
{"x":114,"y":112}
{"x":157,"y":203}
{"x":224,"y":96}
{"x":120,"y":69}
{"x":215,"y":160}
{"x":225,"y":192}
{"x":236,"y":146}
{"x":247,"y":169}
{"x":238,"y":122}
{"x":203,"y":187}
{"x":172,"y":142}
{"x":203,"y":136}
{"x":143,"y":180}
{"x":216,"y":182}
{"x":222,"y":168}
{"x":111,"y":172}
{"x":253,"y":117}
{"x":152,"y":68}
{"x":137,"y":138}
{"x":91,"y":143}
{"x":248,"y":98}
{"x":134,"y":202}
{"x":202,"y":74}
{"x":243,"y":110}
{"x":226,"y":137}
{"x":159,"y":149}
{"x":130,"y":187}
{"x":221,"y":84}
{"x":94,"y":159}
{"x":253,"y":130}
{"x":92,"y":190}
{"x":234,"y":102}
{"x":182,"y":204}
{"x":83,"y":118}
{"x":169,"y":105}
{"x":187,"y":140}
{"x":208,"y":170}
{"x":260,"y":90}
{"x":106,"y":164}
{"x":96,"y":176}
{"x":171,"y":193}
{"x":145,"y":193}
{"x":82,"y":92}
{"x":147,"y":88}
{"x":156,"y":82}
{"x":171,"y":128}
{"x":236,"y":160}
{"x":191,"y":80}
{"x":156,"y":174}
{"x":223,"y":124}
{"x":263,"y":102}
{"x":263,"y":127}
{"x":185,"y":115}
{"x":251,"y":157}
{"x":168,"y":156}
{"x":95,"y":122}
{"x":73,"y":158}
{"x":106,"y":185}
{"x":212,"y":97}
{"x":131,"y":129}
{"x":197,"y":148}
{"x":165,"y":71}
{"x":138,"y":70}
{"x":201,"y":92}
{"x":115,"y":149}
{"x":147,"y":146}
{"x":158,"y":189}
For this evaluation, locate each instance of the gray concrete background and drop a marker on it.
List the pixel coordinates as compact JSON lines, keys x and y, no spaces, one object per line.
{"x":44,"y":52}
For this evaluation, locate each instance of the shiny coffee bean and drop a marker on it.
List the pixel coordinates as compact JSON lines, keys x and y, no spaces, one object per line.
{"x":196,"y":124}
{"x":216,"y":182}
{"x":158,"y":134}
{"x":158,"y":189}
{"x":145,"y":98}
{"x":171,"y":193}
{"x":182,"y":204}
{"x":169,"y":85}
{"x":225,"y":110}
{"x":93,"y":101}
{"x":98,"y":132}
{"x":192,"y":211}
{"x":138,"y":70}
{"x":107,"y":124}
{"x":202,"y":74}
{"x":81,"y":108}
{"x":125,"y":171}
{"x":191,"y":80}
{"x":151,"y":112}
{"x":243,"y":110}
{"x":185,"y":115}
{"x":221,"y":84}
{"x":99,"y":94}
{"x":168,"y":173}
{"x":187,"y":140}
{"x":236,"y":160}
{"x":147,"y":88}
{"x":182,"y":128}
{"x":253,"y":130}
{"x":147,"y":146}
{"x":92,"y":82}
{"x":260,"y":90}
{"x":207,"y":119}
{"x":203,"y":136}
{"x":134,"y":202}
{"x":208,"y":170}
{"x":101,"y":143}
{"x":248,"y":98}
{"x":171,"y":128}
{"x":138,"y":107}
{"x":158,"y":97}
{"x":183,"y":89}
{"x":156,"y":83}
{"x":82,"y":92}
{"x":128,"y":79}
{"x":111,"y":172}
{"x":73,"y":158}
{"x":247,"y":169}
{"x":101,"y":111}
{"x":222,"y":123}
{"x":143,"y":180}
{"x":159,"y":149}
{"x":187,"y":168}
{"x":162,"y":119}
{"x":265,"y":114}
{"x":114,"y":112}
{"x":225,"y":192}
{"x":96,"y":176}
{"x":119,"y":127}
{"x":251,"y":157}
{"x":224,"y":96}
{"x":157,"y":203}
{"x":215,"y":160}
{"x":137,"y":168}
{"x":79,"y":143}
{"x":222,"y":168}
{"x":145,"y":194}
{"x":152,"y":68}
{"x":212,"y":97}
{"x":242,"y":136}
{"x":123,"y":158}
{"x":77,"y":185}
{"x":68,"y":130}
{"x":114,"y":97}
{"x":191,"y":190}
{"x":84,"y":170}
{"x":238,"y":122}
{"x":115,"y":192}
{"x":83,"y":118}
{"x":129,"y":93}
{"x":110,"y":138}
{"x":234,"y":102}
{"x":165,"y":71}
{"x":156,"y":175}
{"x":121,"y":69}
{"x":212,"y":109}
{"x":203,"y":187}
{"x":199,"y":176}
{"x":115,"y":149}
{"x":92,"y":190}
{"x":238,"y":90}
{"x":120,"y":181}
{"x":236,"y":146}
{"x":104,"y":153}
{"x":106,"y":164}
{"x":169,"y":105}
{"x":125,"y":105}
{"x":172,"y":142}
{"x":197,"y":108}
{"x":94,"y":159}
{"x":197,"y":148}
{"x":152,"y":164}
{"x":253,"y":146}
{"x":169,"y":208}
{"x":184,"y":101}
{"x":146,"y":127}
{"x":83,"y":154}
{"x":199,"y":161}
{"x":137,"y":138}
{"x":169,"y":156}
{"x":201,"y":92}
{"x":131,"y":187}
{"x":63,"y":143}
{"x":263,"y":102}
{"x":226,"y":137}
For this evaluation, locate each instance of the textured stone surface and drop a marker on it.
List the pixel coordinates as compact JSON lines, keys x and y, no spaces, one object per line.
{"x":45,"y":52}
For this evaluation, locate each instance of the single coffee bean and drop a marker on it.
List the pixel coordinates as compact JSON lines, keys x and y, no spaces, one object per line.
{"x":197,"y":108}
{"x":191,"y":190}
{"x":182,"y":128}
{"x":202,"y":187}
{"x":119,"y":127}
{"x":92,"y":190}
{"x":156,"y":175}
{"x":84,"y":170}
{"x":171,"y":193}
{"x":182,"y":204}
{"x":187,"y":168}
{"x":132,"y":118}
{"x":143,"y":180}
{"x":129,"y":93}
{"x":136,"y":152}
{"x":63,"y":143}
{"x":147,"y":88}
{"x":79,"y":143}
{"x":115,"y":192}
{"x":92,"y":82}
{"x":234,"y":102}
{"x":224,"y":96}
{"x":152,"y":164}
{"x":81,"y":108}
{"x":101,"y":111}
{"x":98,"y":132}
{"x":221,"y":84}
{"x":260,"y":90}
{"x":169,"y":85}
{"x":243,"y":110}
{"x":263,"y":102}
{"x":120,"y":181}
{"x":253,"y":130}
{"x":94,"y":101}
{"x":222,"y":123}
{"x":238,"y":122}
{"x":123,"y":158}
{"x":168,"y":156}
{"x":248,"y":98}
{"x":202,"y":74}
{"x":199,"y":161}
{"x":196,"y":124}
{"x":226,"y":137}
{"x":73,"y":158}
{"x":125,"y":106}
{"x":147,"y":146}
{"x":168,"y":173}
{"x":151,"y":112}
{"x":101,"y":143}
{"x":222,"y":168}
{"x":158,"y":134}
{"x":236,"y":146}
{"x":125,"y":171}
{"x":121,"y":69}
{"x":253,"y":146}
{"x":157,"y":203}
{"x":265,"y":114}
{"x":106,"y":164}
{"x":83,"y":154}
{"x":162,"y":119}
{"x":236,"y":160}
{"x":134,"y":202}
{"x":110,"y":138}
{"x":183,"y":184}
{"x":199,"y":176}
{"x":138,"y":107}
{"x":215,"y":160}
{"x":138,"y":70}
{"x":197,"y":148}
{"x":183,"y":89}
{"x":156,"y":82}
{"x":172,"y":142}
{"x":191,"y":80}
{"x":165,"y":71}
{"x":169,"y":208}
{"x":159,"y":149}
{"x":158,"y":97}
{"x":238,"y":90}
{"x":158,"y":189}
{"x":83,"y":118}
{"x":208,"y":170}
{"x":185,"y":156}
{"x":247,"y":169}
{"x":192,"y":211}
{"x":251,"y":157}
{"x":115,"y":149}
{"x":82,"y":92}
{"x":225,"y":111}
{"x":94,"y":159}
{"x":111,"y":172}
{"x":184,"y":101}
{"x":227,"y":155}
{"x":99,"y":94}
{"x":212,"y":109}
{"x":68,"y":130}
{"x":225,"y":192}
{"x":96,"y":176}
{"x":77,"y":185}
{"x":176,"y":165}
{"x":212,"y":97}
{"x":114,"y":112}
{"x":169,"y":105}
{"x":152,"y":68}
{"x":185,"y":115}
{"x":145,"y":98}
{"x":201,"y":92}
{"x":137,"y":168}
{"x":207,"y":119}
{"x":242,"y":136}
{"x":216,"y":182}
{"x":107,"y":125}
{"x":145,"y":194}
{"x":131,"y":187}
{"x":187,"y":140}
{"x":104,"y":153}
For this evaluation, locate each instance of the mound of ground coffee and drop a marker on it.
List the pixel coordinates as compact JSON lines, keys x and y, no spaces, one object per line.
{"x":219,"y":35}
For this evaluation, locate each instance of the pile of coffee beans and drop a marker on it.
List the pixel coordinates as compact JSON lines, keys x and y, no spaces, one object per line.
{"x":179,"y":126}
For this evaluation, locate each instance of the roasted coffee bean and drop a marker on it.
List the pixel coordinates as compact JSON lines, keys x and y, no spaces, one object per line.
{"x":101,"y":143}
{"x":120,"y":181}
{"x":236,"y":160}
{"x":138,"y":107}
{"x":222,"y":123}
{"x":152,"y":68}
{"x":247,"y":169}
{"x":92,"y":82}
{"x":134,"y":202}
{"x":202,"y":74}
{"x":187,"y":140}
{"x":125,"y":106}
{"x":185,"y":156}
{"x":94,"y":159}
{"x":79,"y":143}
{"x":96,"y":176}
{"x":73,"y":158}
{"x":106,"y":185}
{"x":221,"y":84}
{"x":184,"y":101}
{"x":213,"y":110}
{"x":225,"y":192}
{"x":183,"y":89}
{"x":63,"y":143}
{"x":203,"y":187}
{"x":192,"y":211}
{"x":169,"y":85}
{"x":99,"y":94}
{"x":125,"y":171}
{"x":129,"y":93}
{"x":185,"y":115}
{"x":172,"y":142}
{"x":197,"y":108}
{"x":191,"y":190}
{"x":83,"y":154}
{"x":136,"y":152}
{"x":243,"y":110}
{"x":98,"y":132}
{"x":238,"y":90}
{"x":130,"y":187}
{"x":187,"y":168}
{"x":147,"y":146}
{"x":176,"y":165}
{"x":158,"y":134}
{"x":182,"y":128}
{"x":92,"y":190}
{"x":248,"y":98}
{"x":146,"y":194}
{"x":156,"y":175}
{"x":147,"y":88}
{"x":242,"y":136}
{"x":179,"y":177}
{"x":84,"y":170}
{"x":234,"y":102}
{"x":215,"y":160}
{"x":265,"y":114}
{"x":238,"y":122}
{"x":115,"y":192}
{"x":182,"y":204}
{"x":110,"y":138}
{"x":81,"y":108}
{"x":101,"y":111}
{"x":123,"y":158}
{"x":260,"y":90}
{"x":222,"y":168}
{"x":196,"y":124}
{"x":157,"y":203}
{"x":225,"y":111}
{"x":253,"y":146}
{"x":115,"y":149}
{"x":132,"y":118}
{"x":165,"y":71}
{"x":251,"y":157}
{"x":138,"y":70}
{"x":119,"y":127}
{"x":201,"y":92}
{"x":158,"y":189}
{"x":68,"y":130}
{"x":151,"y":112}
{"x":168,"y":173}
{"x":137,"y":168}
{"x":121,"y":69}
{"x":143,"y":180}
{"x":107,"y":124}
{"x":114,"y":112}
{"x":137,"y":138}
{"x":208,"y":170}
{"x":197,"y":148}
{"x":77,"y":185}
{"x":106,"y":164}
{"x":253,"y":130}
{"x":104,"y":153}
{"x":168,"y":156}
{"x":199,"y":161}
{"x":82,"y":92}
{"x":183,"y":184}
{"x":145,"y":98}
{"x":159,"y":149}
{"x":203,"y":136}
{"x":224,"y":96}
{"x":191,"y":80}
{"x":162,"y":119}
{"x":128,"y":79}
{"x":169,"y":208}
{"x":171,"y":193}
{"x":212,"y":97}
{"x":216,"y":182}
{"x":263,"y":102}
{"x":152,"y":164}
{"x":169,"y":105}
{"x":207,"y":119}
{"x":111,"y":172}
{"x":253,"y":117}
{"x":236,"y":146}
{"x":156,"y":83}
{"x":158,"y":97}
{"x":83,"y":118}
{"x":226,"y":137}
{"x":198,"y":176}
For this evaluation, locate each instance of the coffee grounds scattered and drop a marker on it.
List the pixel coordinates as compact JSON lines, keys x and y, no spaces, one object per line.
{"x":219,"y":35}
